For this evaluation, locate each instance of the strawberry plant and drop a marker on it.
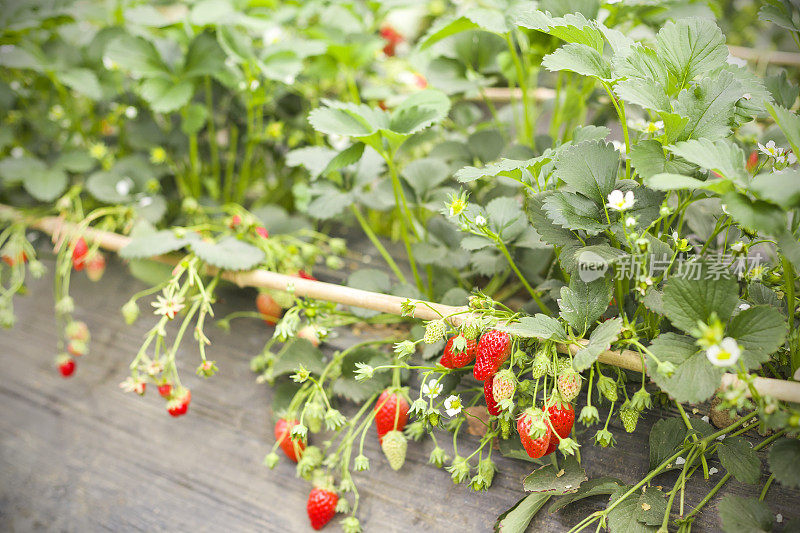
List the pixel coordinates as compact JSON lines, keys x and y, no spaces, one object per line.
{"x":585,"y":212}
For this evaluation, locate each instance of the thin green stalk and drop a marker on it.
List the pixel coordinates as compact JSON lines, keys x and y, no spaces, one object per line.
{"x":212,"y":131}
{"x":523,"y":85}
{"x":531,"y":290}
{"x":404,"y":219}
{"x":788,"y":279}
{"x":377,"y":243}
{"x":230,"y":164}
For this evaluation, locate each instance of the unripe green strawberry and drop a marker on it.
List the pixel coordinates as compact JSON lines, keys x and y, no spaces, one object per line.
{"x":562,"y":364}
{"x":394,"y":447}
{"x":470,"y":330}
{"x":541,"y":365}
{"x":569,"y":385}
{"x":505,"y":427}
{"x":608,"y":388}
{"x":629,"y":417}
{"x":434,"y":331}
{"x":503,"y":385}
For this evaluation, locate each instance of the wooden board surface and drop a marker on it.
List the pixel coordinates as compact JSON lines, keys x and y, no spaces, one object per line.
{"x":82,"y":455}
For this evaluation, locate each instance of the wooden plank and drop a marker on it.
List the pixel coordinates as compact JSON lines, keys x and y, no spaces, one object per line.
{"x":80,"y":454}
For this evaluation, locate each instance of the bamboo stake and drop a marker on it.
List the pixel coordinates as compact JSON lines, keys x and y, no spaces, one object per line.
{"x":783,"y":390}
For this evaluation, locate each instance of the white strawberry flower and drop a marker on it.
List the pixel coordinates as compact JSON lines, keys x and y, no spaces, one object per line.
{"x":133,"y":385}
{"x":630,"y":222}
{"x":737,"y":246}
{"x":124,"y":186}
{"x":770,"y":149}
{"x":272,"y":35}
{"x":452,"y":405}
{"x":619,"y":201}
{"x":431,"y":389}
{"x":480,"y":220}
{"x":744,"y":306}
{"x":786,"y":158}
{"x":338,"y":142}
{"x":726,"y":353}
{"x":169,"y":306}
{"x":131,"y":112}
{"x":654,"y":127}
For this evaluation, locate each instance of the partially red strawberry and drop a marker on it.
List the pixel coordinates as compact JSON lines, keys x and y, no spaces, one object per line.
{"x":95,"y":266}
{"x":235,"y":221}
{"x":77,"y":348}
{"x":491,"y":404}
{"x":562,"y":418}
{"x":268,"y":308}
{"x":309,"y":333}
{"x":66,"y":365}
{"x":283,"y":433}
{"x":569,"y":384}
{"x":165,"y":389}
{"x":77,"y":331}
{"x":458,"y":358}
{"x":392,"y":38}
{"x":493,"y":349}
{"x":262,"y":232}
{"x":79,"y":254}
{"x":504,"y":385}
{"x":321,"y":506}
{"x":391,"y":413}
{"x":752,"y":161}
{"x":533,"y":420}
{"x":179,"y":403}
{"x":13,"y":259}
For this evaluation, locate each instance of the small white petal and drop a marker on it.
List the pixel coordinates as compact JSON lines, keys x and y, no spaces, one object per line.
{"x":712,"y":471}
{"x":680,"y":461}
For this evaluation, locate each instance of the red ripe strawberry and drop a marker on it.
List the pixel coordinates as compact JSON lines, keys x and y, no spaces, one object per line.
{"x":95,"y":266}
{"x":456,"y":358}
{"x":283,"y":433}
{"x":321,"y":506}
{"x":235,"y":221}
{"x":268,"y":308}
{"x":66,"y":366}
{"x":79,"y":254}
{"x":391,"y":413}
{"x":562,"y":418}
{"x":491,"y":404}
{"x":165,"y":390}
{"x":752,"y":161}
{"x":262,"y":232}
{"x":493,"y":349}
{"x":179,"y":403}
{"x":536,"y":446}
{"x":305,"y":275}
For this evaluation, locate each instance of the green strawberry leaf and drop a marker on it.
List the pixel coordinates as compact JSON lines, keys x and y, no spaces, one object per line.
{"x":756,"y":215}
{"x":649,"y":159}
{"x":740,"y":460}
{"x":665,"y":437}
{"x":299,"y":352}
{"x":419,"y":111}
{"x":136,"y":55}
{"x":687,"y":301}
{"x":582,"y":303}
{"x":644,"y":93}
{"x":694,"y":378}
{"x":575,"y":212}
{"x":599,"y":341}
{"x":519,"y":516}
{"x":784,"y":462}
{"x":15,"y":170}
{"x":624,"y":517}
{"x":165,"y":96}
{"x":722,"y":156}
{"x":228,"y":253}
{"x":550,"y":480}
{"x":580,"y":59}
{"x":538,"y":326}
{"x":709,"y":106}
{"x":152,"y":244}
{"x":781,"y":187}
{"x":652,"y":506}
{"x":691,"y":47}
{"x":572,"y":27}
{"x":789,"y":123}
{"x":589,"y":169}
{"x":601,"y":486}
{"x":740,"y":514}
{"x":760,"y":330}
{"x":358,"y":391}
{"x":47,"y":184}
